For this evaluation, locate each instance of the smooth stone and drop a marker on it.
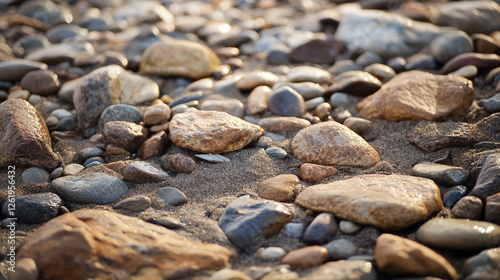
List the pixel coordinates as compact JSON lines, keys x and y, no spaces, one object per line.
{"x":342,"y":99}
{"x":470,"y":16}
{"x":34,"y":175}
{"x":492,"y":209}
{"x":306,"y":257}
{"x":58,"y":34}
{"x":181,"y":163}
{"x":331,"y":143}
{"x":319,"y":51}
{"x":159,"y":127}
{"x":441,"y":174}
{"x":257,"y":99}
{"x":400,"y":256}
{"x":420,"y":62}
{"x":93,"y":160}
{"x":218,"y":132}
{"x":484,"y":266}
{"x":308,"y":90}
{"x":276,"y":152}
{"x":254,"y":79}
{"x":448,"y":45}
{"x":135,"y":13}
{"x":91,"y":152}
{"x":66,"y":124}
{"x":271,"y":253}
{"x":56,"y":173}
{"x":68,"y":89}
{"x":349,"y":227}
{"x":344,"y":270}
{"x":322,"y":111}
{"x":459,"y":234}
{"x":314,"y":172}
{"x":121,"y":112}
{"x":286,"y":102}
{"x":231,"y":106}
{"x":468,"y":71}
{"x":61,"y":114}
{"x":368,"y":58}
{"x":492,"y":104}
{"x":432,"y":136}
{"x":229,"y":274}
{"x":95,"y":188}
{"x":340,"y":249}
{"x":283,"y":124}
{"x":156,"y":114}
{"x":19,"y":94}
{"x":15,"y":70}
{"x":294,"y":230}
{"x":41,"y":82}
{"x":380,"y":71}
{"x":312,"y":74}
{"x":468,"y":207}
{"x":358,"y":125}
{"x":185,"y":98}
{"x":26,"y":269}
{"x":92,"y":164}
{"x":46,"y":12}
{"x":34,"y":208}
{"x":344,"y":65}
{"x":453,"y":195}
{"x":322,"y":229}
{"x":153,"y":146}
{"x":72,"y":169}
{"x":118,"y":242}
{"x":313,"y":103}
{"x":169,"y":222}
{"x":245,"y":220}
{"x":405,"y":97}
{"x":279,"y":188}
{"x":137,"y":203}
{"x":359,"y":83}
{"x":388,"y":202}
{"x":58,"y":53}
{"x":23,"y":127}
{"x":487,"y":183}
{"x":484,"y":43}
{"x":172,"y":196}
{"x":126,"y":135}
{"x":483,"y":62}
{"x":215,"y":158}
{"x":179,"y":58}
{"x":144,"y":172}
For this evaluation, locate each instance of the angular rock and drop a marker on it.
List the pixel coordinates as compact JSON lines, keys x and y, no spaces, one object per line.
{"x":306,"y":257}
{"x":317,"y":51}
{"x":400,"y":256}
{"x":80,"y":244}
{"x":34,"y":208}
{"x":331,"y":143}
{"x":126,"y":135}
{"x":468,"y":207}
{"x":179,"y":58}
{"x":283,"y":124}
{"x":416,"y":95}
{"x":459,"y":234}
{"x":358,"y":83}
{"x":286,"y":102}
{"x":25,"y":139}
{"x":484,"y":266}
{"x":94,"y":188}
{"x":492,"y":104}
{"x":135,"y":203}
{"x":14,"y":70}
{"x":453,"y":195}
{"x":470,"y":16}
{"x":172,"y":196}
{"x":388,"y":202}
{"x":433,"y":136}
{"x":212,"y":132}
{"x":154,"y":146}
{"x":441,"y":174}
{"x":488,"y":182}
{"x":322,"y":229}
{"x":143,"y":172}
{"x":344,"y":270}
{"x":246,"y":219}
{"x":41,"y":82}
{"x":257,"y":100}
{"x":279,"y":188}
{"x":314,"y":173}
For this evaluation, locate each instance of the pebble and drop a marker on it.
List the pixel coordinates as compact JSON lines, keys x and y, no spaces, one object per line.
{"x":231,"y":106}
{"x":313,"y":103}
{"x":136,"y":203}
{"x":215,"y":158}
{"x":15,"y":70}
{"x":212,"y":132}
{"x":246,"y":219}
{"x":349,"y":227}
{"x":286,"y":102}
{"x":156,"y":114}
{"x":172,"y":196}
{"x":403,"y":98}
{"x":368,"y":58}
{"x":185,"y":98}
{"x":330,"y":143}
{"x":276,"y":152}
{"x":314,"y":173}
{"x":345,"y":270}
{"x":87,"y":153}
{"x":72,"y":169}
{"x":484,"y":265}
{"x":126,"y":135}
{"x":492,"y":209}
{"x":420,"y":62}
{"x":453,"y":195}
{"x":229,"y":274}
{"x":483,"y":62}
{"x":26,"y":269}
{"x":95,"y":188}
{"x":294,"y":230}
{"x":388,"y":202}
{"x":319,"y":51}
{"x":279,"y":188}
{"x":441,"y":174}
{"x":322,"y":111}
{"x":459,"y":234}
{"x":41,"y":82}
{"x":34,"y":208}
{"x":56,"y":173}
{"x":359,"y":83}
{"x":58,"y":53}
{"x":468,"y":71}
{"x":340,"y":249}
{"x":283,"y":124}
{"x":306,"y":257}
{"x":400,"y":256}
{"x":169,"y":222}
{"x":153,"y":146}
{"x":308,"y":90}
{"x":358,"y":125}
{"x":433,"y":136}
{"x":471,"y":16}
{"x":257,"y":99}
{"x":121,"y":112}
{"x":18,"y":94}
{"x":93,"y":160}
{"x":448,"y":45}
{"x":492,"y":104}
{"x":271,"y":253}
{"x":300,"y":74}
{"x":380,"y":71}
{"x":58,"y":34}
{"x":321,"y":230}
{"x":254,"y":79}
{"x":61,"y":114}
{"x":34,"y":175}
{"x":484,"y":43}
{"x":344,"y":65}
{"x":181,"y":163}
{"x":204,"y":85}
{"x":144,"y":172}
{"x":341,"y":99}
{"x":487,"y":183}
{"x":166,"y":58}
{"x":468,"y":207}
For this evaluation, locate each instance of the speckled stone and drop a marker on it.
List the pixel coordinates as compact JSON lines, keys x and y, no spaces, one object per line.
{"x":314,"y":172}
{"x":283,"y":124}
{"x":359,"y":83}
{"x":126,"y":135}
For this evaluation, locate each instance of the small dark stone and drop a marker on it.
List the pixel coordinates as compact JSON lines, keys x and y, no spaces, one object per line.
{"x":468,"y":207}
{"x":483,"y":62}
{"x":441,"y":174}
{"x":278,"y":57}
{"x":35,"y":208}
{"x":420,"y":62}
{"x":35,"y":175}
{"x":359,"y":83}
{"x":181,"y":163}
{"x":318,"y":51}
{"x":41,"y":82}
{"x":143,"y":172}
{"x":492,"y":209}
{"x":172,"y":196}
{"x":453,"y":195}
{"x":66,"y":124}
{"x":285,"y":101}
{"x":488,"y":182}
{"x":322,"y":229}
{"x":92,"y":152}
{"x":94,"y":159}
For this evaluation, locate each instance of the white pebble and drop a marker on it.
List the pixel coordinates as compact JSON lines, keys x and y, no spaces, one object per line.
{"x":271,"y":253}
{"x":349,"y":227}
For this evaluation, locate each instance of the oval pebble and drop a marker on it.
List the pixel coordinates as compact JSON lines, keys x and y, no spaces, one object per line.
{"x":349,"y":227}
{"x":170,"y":222}
{"x":215,"y":158}
{"x":271,"y":253}
{"x":172,"y":196}
{"x":340,"y":249}
{"x":35,"y":175}
{"x":276,"y":152}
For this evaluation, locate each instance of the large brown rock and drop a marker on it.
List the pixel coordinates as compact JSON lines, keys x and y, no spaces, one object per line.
{"x":400,"y":256}
{"x":24,"y":137}
{"x":331,"y":143}
{"x":99,"y":244}
{"x":212,"y":132}
{"x":388,"y":202}
{"x":417,"y":95}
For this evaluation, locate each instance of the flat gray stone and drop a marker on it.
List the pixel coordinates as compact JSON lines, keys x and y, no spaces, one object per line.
{"x":172,"y":196}
{"x":34,"y":208}
{"x":441,"y":174}
{"x":35,"y":175}
{"x":143,"y":172}
{"x":14,"y":70}
{"x":136,"y":203}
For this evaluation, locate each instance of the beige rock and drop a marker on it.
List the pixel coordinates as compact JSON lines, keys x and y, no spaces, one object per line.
{"x":179,"y":58}
{"x":306,"y":257}
{"x":212,"y":132}
{"x":126,"y":135}
{"x":25,"y":269}
{"x":156,"y":114}
{"x":314,"y":172}
{"x":257,"y":100}
{"x":400,"y":256}
{"x":283,"y":124}
{"x":95,"y":244}
{"x":331,"y":143}
{"x":257,"y":78}
{"x":417,"y":95}
{"x":154,"y":146}
{"x":279,"y":188}
{"x":344,"y":270}
{"x":231,"y":106}
{"x":229,"y":274}
{"x":24,"y":137}
{"x":388,"y":202}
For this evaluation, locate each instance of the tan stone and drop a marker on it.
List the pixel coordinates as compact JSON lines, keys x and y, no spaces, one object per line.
{"x":154,"y":146}
{"x":156,"y":114}
{"x":97,"y":244}
{"x":388,"y":202}
{"x":279,"y":188}
{"x":212,"y":132}
{"x":283,"y":124}
{"x":25,"y":269}
{"x":257,"y":100}
{"x":24,"y":137}
{"x":314,"y":172}
{"x":306,"y":257}
{"x":256,"y":78}
{"x":400,"y":256}
{"x":229,"y":274}
{"x":417,"y":95}
{"x":179,"y":58}
{"x":331,"y":143}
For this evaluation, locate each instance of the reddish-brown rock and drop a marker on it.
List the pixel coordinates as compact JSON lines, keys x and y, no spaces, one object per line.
{"x":279,"y":188}
{"x":483,"y":62}
{"x":306,"y":257}
{"x":181,"y":163}
{"x":126,"y":135}
{"x":154,"y":146}
{"x":359,"y":83}
{"x":41,"y":82}
{"x":314,"y":172}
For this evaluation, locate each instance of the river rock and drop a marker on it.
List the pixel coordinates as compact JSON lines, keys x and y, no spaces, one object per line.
{"x":127,"y":247}
{"x":322,"y":229}
{"x":441,"y":174}
{"x":344,"y":270}
{"x":300,"y":74}
{"x":483,"y":62}
{"x":34,"y":208}
{"x":488,"y":182}
{"x":358,"y":83}
{"x":484,"y":266}
{"x":34,"y":175}
{"x":388,"y":202}
{"x":156,"y":114}
{"x":256,"y":78}
{"x":231,"y":106}
{"x":339,"y":249}
{"x":14,"y":70}
{"x":400,"y":256}
{"x":25,"y":139}
{"x":154,"y":146}
{"x":212,"y":132}
{"x":453,"y":195}
{"x":492,"y":209}
{"x":286,"y":102}
{"x":181,"y":163}
{"x":449,"y":45}
{"x":54,"y":54}
{"x":319,"y":51}
{"x":120,"y":112}
{"x":257,"y":99}
{"x":468,"y":207}
{"x":432,"y":136}
{"x":179,"y":58}
{"x":279,"y":188}
{"x":492,"y":104}
{"x":41,"y":82}
{"x":172,"y":196}
{"x":314,"y":172}
{"x":143,"y":172}
{"x":331,"y":143}
{"x":406,"y":96}
{"x":308,"y":90}
{"x":283,"y":124}
{"x":470,"y":16}
{"x":306,"y":257}
{"x":135,"y":203}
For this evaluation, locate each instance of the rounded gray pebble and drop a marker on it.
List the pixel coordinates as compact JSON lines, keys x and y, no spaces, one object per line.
{"x":172,"y":196}
{"x":340,"y":249}
{"x":294,"y":230}
{"x":276,"y":152}
{"x":35,"y":175}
